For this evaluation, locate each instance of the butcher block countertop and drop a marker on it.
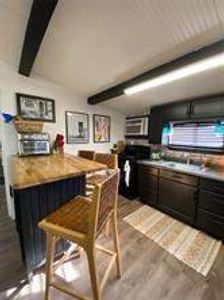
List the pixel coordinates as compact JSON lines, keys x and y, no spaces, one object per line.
{"x":36,"y":170}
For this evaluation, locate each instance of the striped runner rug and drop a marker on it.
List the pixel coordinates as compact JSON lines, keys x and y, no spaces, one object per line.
{"x":189,"y":245}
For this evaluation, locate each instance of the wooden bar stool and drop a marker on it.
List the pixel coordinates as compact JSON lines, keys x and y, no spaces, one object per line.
{"x":80,"y":221}
{"x":88,"y":154}
{"x":111,"y":160}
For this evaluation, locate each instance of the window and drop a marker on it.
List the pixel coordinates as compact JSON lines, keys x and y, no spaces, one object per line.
{"x":203,"y":136}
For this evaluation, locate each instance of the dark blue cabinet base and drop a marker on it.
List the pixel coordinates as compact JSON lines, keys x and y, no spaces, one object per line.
{"x":35,"y":203}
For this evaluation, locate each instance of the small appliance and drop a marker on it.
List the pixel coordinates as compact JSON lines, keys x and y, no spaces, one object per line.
{"x":137,"y":126}
{"x":33,"y":144}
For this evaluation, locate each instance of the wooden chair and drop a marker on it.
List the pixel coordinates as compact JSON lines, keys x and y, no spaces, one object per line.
{"x":111,"y":160}
{"x":88,"y":154}
{"x":81,"y":221}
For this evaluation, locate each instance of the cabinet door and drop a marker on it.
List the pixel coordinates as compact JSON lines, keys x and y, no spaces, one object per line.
{"x":148,"y":184}
{"x":207,"y":108}
{"x":177,"y":199}
{"x":177,"y":111}
{"x":211,"y":202}
{"x":212,"y":186}
{"x":156,"y":125}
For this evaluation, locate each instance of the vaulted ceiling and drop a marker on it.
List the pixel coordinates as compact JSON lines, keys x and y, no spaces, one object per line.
{"x":14,"y":15}
{"x":91,"y":45}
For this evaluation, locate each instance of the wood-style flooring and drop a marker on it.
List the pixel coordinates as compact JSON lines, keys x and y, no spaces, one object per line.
{"x":149,"y":272}
{"x":11,"y":267}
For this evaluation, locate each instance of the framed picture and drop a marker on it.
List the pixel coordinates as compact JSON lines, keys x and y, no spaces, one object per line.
{"x":101,"y":128}
{"x":77,"y":127}
{"x":31,"y":107}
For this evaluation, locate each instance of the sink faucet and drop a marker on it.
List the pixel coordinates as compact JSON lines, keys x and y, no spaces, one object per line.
{"x":188,"y":156}
{"x":189,"y":160}
{"x":202,"y":161}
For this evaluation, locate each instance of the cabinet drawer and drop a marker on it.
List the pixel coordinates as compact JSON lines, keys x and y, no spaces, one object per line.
{"x":211,"y":202}
{"x":179,"y":177}
{"x":211,"y":223}
{"x":212,"y":185}
{"x":148,"y":170}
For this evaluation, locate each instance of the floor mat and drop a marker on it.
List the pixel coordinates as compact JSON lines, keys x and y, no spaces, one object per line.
{"x":189,"y":245}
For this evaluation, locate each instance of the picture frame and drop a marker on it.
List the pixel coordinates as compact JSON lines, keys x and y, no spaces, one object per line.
{"x":101,"y":128}
{"x":35,"y":108}
{"x":77,"y":127}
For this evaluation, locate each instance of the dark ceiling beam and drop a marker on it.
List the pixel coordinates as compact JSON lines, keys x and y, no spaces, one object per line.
{"x":40,"y":15}
{"x":182,"y":61}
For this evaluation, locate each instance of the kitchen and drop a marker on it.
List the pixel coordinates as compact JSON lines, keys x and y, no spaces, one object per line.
{"x":152,"y":99}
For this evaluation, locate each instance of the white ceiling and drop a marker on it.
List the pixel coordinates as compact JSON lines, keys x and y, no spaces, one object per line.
{"x":91,"y":45}
{"x":14,"y":15}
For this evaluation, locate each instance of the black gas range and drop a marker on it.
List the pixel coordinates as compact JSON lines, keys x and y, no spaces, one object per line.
{"x":129,"y":169}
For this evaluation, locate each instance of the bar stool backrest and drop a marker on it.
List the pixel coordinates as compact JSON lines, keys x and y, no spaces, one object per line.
{"x":111,"y":160}
{"x":88,"y":154}
{"x":105,"y":198}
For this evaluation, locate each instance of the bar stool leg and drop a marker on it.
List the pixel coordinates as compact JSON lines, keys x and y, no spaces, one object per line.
{"x":49,"y":263}
{"x":93,"y":273}
{"x":116,"y":244}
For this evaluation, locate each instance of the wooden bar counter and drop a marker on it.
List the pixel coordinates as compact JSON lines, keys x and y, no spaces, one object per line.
{"x":41,"y":184}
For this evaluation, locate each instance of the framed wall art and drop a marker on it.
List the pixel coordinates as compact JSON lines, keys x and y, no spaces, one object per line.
{"x":31,"y":107}
{"x":77,"y":127}
{"x":101,"y":128}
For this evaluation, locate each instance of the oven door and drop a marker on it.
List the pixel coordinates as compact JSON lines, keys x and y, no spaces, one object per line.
{"x":33,"y":148}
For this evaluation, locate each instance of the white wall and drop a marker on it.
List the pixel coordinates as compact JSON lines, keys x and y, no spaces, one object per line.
{"x":0,"y":120}
{"x":65,"y":99}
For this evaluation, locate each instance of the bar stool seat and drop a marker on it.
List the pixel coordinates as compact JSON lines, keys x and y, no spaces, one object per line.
{"x":79,"y":207}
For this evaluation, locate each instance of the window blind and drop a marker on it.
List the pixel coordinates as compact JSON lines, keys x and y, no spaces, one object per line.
{"x":196,"y":135}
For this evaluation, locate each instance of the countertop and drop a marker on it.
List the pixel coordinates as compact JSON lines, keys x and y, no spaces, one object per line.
{"x":187,"y":169}
{"x":36,"y":170}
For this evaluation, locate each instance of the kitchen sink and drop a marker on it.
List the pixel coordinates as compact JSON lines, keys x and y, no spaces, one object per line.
{"x":182,"y":166}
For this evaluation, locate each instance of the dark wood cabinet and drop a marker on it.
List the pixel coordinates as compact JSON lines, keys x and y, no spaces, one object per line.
{"x":179,"y":177}
{"x":210,"y":217}
{"x":156,"y":125}
{"x":212,"y":186}
{"x":210,"y":223}
{"x":148,"y":184}
{"x":177,"y":112}
{"x":207,"y":108}
{"x":177,"y":199}
{"x":172,"y":192}
{"x":196,"y":201}
{"x":211,"y":202}
{"x":194,"y":109}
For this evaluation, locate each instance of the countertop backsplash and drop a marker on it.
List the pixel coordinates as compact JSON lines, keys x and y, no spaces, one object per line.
{"x":208,"y":160}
